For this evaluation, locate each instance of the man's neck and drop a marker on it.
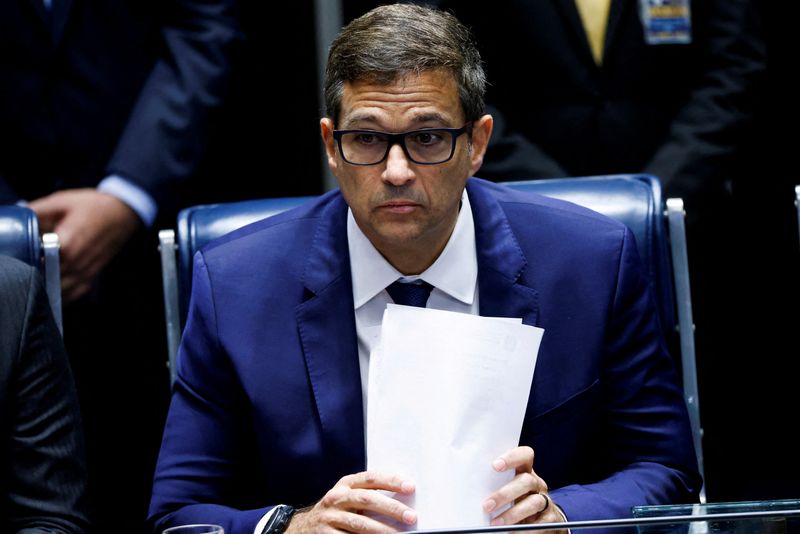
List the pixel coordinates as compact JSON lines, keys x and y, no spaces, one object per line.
{"x":414,"y":257}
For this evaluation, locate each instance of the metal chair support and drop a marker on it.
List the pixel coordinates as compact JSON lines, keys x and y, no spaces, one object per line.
{"x":683,"y":299}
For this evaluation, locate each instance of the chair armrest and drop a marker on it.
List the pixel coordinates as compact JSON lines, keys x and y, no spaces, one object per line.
{"x":676,"y":216}
{"x":169,"y":280}
{"x":51,"y":248}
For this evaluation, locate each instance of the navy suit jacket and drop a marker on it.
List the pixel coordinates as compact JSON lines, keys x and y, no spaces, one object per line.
{"x":267,"y":404}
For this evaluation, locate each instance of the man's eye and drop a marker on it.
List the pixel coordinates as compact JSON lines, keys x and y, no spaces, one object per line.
{"x":427,"y":138}
{"x":366,"y":138}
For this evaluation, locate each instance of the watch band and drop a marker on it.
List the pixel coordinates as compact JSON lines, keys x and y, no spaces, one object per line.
{"x":279,"y":520}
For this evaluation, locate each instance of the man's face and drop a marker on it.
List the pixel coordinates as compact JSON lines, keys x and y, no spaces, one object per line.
{"x":407,"y":210}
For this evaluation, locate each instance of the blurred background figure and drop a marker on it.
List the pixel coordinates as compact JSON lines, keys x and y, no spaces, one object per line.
{"x":106,"y":108}
{"x":116,"y":114}
{"x":43,"y":474}
{"x":584,"y":87}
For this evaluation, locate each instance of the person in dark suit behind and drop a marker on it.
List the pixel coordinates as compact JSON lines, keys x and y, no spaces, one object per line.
{"x":43,"y":473}
{"x":575,"y":105}
{"x":267,"y":410}
{"x":106,"y":109}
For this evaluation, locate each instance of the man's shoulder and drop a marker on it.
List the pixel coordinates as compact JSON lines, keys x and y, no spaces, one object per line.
{"x":15,"y":276}
{"x":16,"y":282}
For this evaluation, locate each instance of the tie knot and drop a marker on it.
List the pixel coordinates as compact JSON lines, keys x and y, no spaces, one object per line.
{"x":410,"y":294}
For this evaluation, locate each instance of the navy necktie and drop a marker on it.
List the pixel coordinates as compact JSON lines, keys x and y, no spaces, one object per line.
{"x":411,"y":294}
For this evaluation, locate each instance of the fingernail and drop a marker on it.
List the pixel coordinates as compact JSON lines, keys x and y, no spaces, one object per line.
{"x":407,"y":487}
{"x":499,"y":464}
{"x":498,"y":522}
{"x":489,"y":505}
{"x":409,"y":517}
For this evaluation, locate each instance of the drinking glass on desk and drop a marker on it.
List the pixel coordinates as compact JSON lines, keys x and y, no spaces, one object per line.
{"x":195,"y":529}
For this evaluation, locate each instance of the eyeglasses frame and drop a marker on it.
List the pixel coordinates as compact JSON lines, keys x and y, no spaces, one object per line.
{"x":400,"y":139}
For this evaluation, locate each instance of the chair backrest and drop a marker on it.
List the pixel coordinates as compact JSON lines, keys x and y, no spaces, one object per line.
{"x":19,"y":235}
{"x":19,"y":238}
{"x":634,"y":200}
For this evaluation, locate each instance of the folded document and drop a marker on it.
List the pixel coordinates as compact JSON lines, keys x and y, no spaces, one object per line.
{"x":447,"y":395}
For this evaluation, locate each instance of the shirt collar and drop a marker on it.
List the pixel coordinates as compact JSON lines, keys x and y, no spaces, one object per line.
{"x":455,"y":271}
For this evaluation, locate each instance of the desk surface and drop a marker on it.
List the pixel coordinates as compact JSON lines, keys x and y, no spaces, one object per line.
{"x":716,"y":508}
{"x":749,"y":517}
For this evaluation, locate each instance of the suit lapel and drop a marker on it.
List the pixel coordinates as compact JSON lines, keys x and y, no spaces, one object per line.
{"x":327,"y":330}
{"x":60,"y":14}
{"x":41,"y":11}
{"x":615,"y":15}
{"x":505,"y":289}
{"x":574,"y":27}
{"x":500,"y":261}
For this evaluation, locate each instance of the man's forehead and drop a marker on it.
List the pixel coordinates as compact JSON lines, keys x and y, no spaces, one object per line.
{"x":425,"y":96}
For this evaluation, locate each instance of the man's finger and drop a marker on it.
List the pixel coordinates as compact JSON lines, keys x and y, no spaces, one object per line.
{"x":521,"y":485}
{"x":377,"y":480}
{"x":74,"y":290}
{"x":49,"y":211}
{"x":518,"y":458}
{"x":360,"y":500}
{"x":350,"y":522}
{"x":532,"y":505}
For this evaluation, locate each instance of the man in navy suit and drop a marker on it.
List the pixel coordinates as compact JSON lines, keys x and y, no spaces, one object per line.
{"x":267,"y":411}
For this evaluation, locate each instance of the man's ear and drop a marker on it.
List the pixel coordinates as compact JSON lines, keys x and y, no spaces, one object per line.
{"x":481,"y":133}
{"x":326,"y":131}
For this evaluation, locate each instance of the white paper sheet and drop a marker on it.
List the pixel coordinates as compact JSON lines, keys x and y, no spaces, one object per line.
{"x":447,"y":395}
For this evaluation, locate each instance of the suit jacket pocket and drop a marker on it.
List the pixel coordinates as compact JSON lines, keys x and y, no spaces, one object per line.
{"x":575,"y":409}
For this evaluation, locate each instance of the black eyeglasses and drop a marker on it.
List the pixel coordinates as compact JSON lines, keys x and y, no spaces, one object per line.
{"x":428,"y":146}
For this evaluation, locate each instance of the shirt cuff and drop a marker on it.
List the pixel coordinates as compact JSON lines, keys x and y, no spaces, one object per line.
{"x":264,"y":519}
{"x":131,"y":194}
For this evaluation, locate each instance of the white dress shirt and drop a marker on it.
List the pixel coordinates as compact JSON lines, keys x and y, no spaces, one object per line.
{"x":454,"y":277}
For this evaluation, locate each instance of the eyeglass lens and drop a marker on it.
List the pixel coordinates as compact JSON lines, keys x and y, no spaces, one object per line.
{"x":425,"y":146}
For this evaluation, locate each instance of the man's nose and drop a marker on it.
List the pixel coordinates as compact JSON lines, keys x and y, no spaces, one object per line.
{"x":398,"y":170}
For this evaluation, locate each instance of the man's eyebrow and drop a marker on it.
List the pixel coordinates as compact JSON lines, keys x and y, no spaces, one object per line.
{"x":371,"y":120}
{"x":359,"y":119}
{"x":431,"y":117}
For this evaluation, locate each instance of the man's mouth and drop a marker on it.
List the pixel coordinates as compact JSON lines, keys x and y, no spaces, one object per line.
{"x":399,"y":206}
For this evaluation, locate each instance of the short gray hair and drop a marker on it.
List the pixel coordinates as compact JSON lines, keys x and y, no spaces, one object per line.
{"x":392,"y":41}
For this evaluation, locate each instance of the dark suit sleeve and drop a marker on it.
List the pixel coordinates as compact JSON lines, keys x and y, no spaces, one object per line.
{"x":697,"y":154}
{"x":45,"y":464}
{"x":647,"y":443}
{"x":170,"y":124}
{"x":205,"y":438}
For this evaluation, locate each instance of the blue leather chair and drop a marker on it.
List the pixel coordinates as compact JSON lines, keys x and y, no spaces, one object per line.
{"x":19,"y":238}
{"x":634,"y":200}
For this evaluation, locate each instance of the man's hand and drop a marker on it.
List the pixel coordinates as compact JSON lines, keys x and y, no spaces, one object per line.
{"x":343,"y":507}
{"x":91,"y":227}
{"x":526,"y":492}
